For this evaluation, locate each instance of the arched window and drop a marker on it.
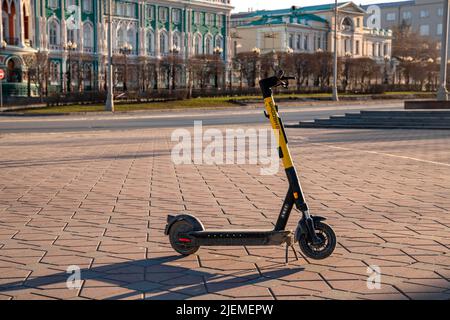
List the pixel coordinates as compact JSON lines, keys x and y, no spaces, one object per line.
{"x":120,"y":38}
{"x":88,"y":42}
{"x":163,"y":42}
{"x":131,"y":38}
{"x":209,"y":47}
{"x":150,"y":42}
{"x":54,"y":72}
{"x":176,"y":40}
{"x":347,"y":24}
{"x":219,"y":41}
{"x":53,"y":33}
{"x":198,"y":48}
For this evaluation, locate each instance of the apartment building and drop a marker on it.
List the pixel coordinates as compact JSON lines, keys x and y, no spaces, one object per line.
{"x":424,"y":16}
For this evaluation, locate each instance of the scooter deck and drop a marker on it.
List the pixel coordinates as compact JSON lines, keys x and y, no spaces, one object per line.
{"x":240,"y":237}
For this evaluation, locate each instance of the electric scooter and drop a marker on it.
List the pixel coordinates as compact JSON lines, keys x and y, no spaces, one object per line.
{"x":316,"y":239}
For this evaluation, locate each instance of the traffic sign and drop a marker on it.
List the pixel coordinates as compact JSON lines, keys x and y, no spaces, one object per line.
{"x":2,"y":74}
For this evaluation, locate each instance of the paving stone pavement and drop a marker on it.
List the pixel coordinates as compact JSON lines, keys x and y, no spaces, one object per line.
{"x":99,"y":200}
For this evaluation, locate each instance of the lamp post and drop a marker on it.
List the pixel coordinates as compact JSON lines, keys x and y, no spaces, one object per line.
{"x":442,"y":94}
{"x":386,"y":74}
{"x":125,"y":50}
{"x":70,"y":46}
{"x":256,"y":52}
{"x":218,"y":53}
{"x":109,"y":106}
{"x":173,"y":52}
{"x":335,"y":62}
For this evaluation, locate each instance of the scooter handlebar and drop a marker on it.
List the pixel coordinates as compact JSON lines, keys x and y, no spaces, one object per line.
{"x":272,"y":82}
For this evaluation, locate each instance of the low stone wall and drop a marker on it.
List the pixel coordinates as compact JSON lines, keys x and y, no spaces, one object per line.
{"x":427,"y":104}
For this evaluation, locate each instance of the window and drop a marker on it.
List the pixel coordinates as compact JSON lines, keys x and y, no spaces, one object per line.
{"x":150,"y":12}
{"x":176,"y":16}
{"x":54,"y":72}
{"x":53,"y":31}
{"x":198,"y":44}
{"x":163,"y":43}
{"x":176,"y":39}
{"x":131,"y":39}
{"x":357,"y":47}
{"x":209,"y":45}
{"x":424,"y":13}
{"x":219,"y":41}
{"x":150,"y":42}
{"x":209,"y":19}
{"x":71,"y":36}
{"x":120,"y":38}
{"x":87,"y":6}
{"x":439,"y":29}
{"x":424,"y":30}
{"x":407,"y":15}
{"x":358,"y":22}
{"x":440,"y":12}
{"x":391,"y":16}
{"x":299,"y":42}
{"x":88,"y":42}
{"x":163,"y":12}
{"x":219,"y":21}
{"x":291,"y":41}
{"x":305,"y":42}
{"x":54,"y":4}
{"x":197,"y":17}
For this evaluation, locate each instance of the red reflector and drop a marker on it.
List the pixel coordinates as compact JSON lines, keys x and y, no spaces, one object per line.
{"x":185,"y":240}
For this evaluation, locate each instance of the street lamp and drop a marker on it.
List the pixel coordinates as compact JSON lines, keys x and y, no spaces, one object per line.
{"x":218,"y":53}
{"x":125,"y":50}
{"x":442,"y":94}
{"x":256,"y":51}
{"x":335,"y":62}
{"x":174,"y":51}
{"x":109,"y":77}
{"x":70,"y":46}
{"x":386,"y":75}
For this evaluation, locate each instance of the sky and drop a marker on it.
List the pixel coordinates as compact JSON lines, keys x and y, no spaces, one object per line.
{"x":244,"y":5}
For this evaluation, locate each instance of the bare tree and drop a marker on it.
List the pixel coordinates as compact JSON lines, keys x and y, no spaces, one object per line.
{"x":38,"y":71}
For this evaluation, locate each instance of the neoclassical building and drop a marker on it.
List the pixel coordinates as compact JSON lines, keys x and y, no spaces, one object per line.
{"x":74,"y":33}
{"x":308,"y":29}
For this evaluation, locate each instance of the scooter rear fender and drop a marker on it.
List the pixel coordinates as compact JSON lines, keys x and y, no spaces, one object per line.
{"x":198,"y":226}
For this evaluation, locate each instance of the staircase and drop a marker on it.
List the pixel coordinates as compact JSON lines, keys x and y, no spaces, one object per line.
{"x":383,"y":120}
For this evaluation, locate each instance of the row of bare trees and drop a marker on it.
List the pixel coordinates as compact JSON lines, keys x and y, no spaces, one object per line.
{"x":416,"y":63}
{"x":310,"y":69}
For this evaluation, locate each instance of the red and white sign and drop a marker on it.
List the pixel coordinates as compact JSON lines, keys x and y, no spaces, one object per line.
{"x":2,"y":74}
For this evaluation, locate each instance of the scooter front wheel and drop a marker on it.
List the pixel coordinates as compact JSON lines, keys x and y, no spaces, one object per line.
{"x":180,"y":244}
{"x":326,"y":246}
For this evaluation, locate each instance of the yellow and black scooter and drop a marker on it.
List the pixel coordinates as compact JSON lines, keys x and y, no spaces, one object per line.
{"x":316,"y":239}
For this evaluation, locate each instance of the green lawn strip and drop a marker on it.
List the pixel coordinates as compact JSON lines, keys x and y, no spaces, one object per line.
{"x":214,"y":102}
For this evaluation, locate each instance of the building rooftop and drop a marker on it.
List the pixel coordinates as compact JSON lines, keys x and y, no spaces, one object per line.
{"x":279,"y":19}
{"x":391,"y":4}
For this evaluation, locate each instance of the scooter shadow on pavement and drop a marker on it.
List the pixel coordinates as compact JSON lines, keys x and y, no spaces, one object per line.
{"x":159,"y":279}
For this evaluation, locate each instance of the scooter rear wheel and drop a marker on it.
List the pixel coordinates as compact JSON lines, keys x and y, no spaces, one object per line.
{"x":323,"y":250}
{"x":182,"y":245}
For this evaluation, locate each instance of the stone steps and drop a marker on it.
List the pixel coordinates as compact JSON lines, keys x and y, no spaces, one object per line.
{"x":383,"y":120}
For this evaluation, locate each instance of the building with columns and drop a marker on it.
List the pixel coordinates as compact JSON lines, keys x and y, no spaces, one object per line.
{"x":73,"y":34}
{"x":308,"y":29}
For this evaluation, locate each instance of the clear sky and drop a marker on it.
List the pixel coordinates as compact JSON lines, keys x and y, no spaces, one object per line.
{"x":244,"y":5}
